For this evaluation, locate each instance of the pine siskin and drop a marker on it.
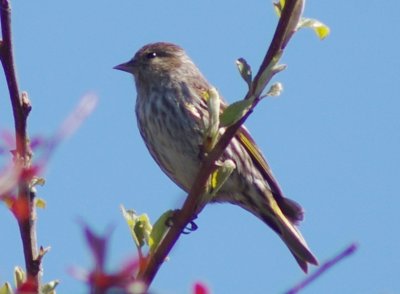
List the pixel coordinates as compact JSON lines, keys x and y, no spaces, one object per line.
{"x":172,"y":116}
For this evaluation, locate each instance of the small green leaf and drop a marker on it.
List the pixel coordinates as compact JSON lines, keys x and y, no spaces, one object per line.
{"x":143,"y":229}
{"x":221,"y":174}
{"x":49,"y":288}
{"x":217,"y":179}
{"x":139,"y":225}
{"x":159,"y":229}
{"x":40,"y":202}
{"x":211,"y":134}
{"x":275,"y":90}
{"x":320,"y":29}
{"x":278,"y":68}
{"x":244,"y":70}
{"x":130,"y":218}
{"x":279,"y":7}
{"x":234,"y":112}
{"x":19,"y":276}
{"x":6,"y":289}
{"x":272,"y":68}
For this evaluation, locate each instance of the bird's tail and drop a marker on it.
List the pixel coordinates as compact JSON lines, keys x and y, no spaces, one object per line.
{"x":279,"y":216}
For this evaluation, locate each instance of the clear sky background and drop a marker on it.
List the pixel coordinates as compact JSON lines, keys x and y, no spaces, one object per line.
{"x":332,"y":139}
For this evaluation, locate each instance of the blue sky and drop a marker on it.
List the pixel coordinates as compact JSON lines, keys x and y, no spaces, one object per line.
{"x":332,"y":139}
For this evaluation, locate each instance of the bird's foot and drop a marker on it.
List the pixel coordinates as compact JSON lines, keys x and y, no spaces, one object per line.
{"x":190,"y":227}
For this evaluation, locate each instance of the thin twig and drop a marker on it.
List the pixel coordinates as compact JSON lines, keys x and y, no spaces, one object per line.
{"x":7,"y":59}
{"x":191,"y":206}
{"x":22,"y":155}
{"x":323,"y":268}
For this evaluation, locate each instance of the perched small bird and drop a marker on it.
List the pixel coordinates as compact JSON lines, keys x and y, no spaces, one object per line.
{"x":172,"y":116}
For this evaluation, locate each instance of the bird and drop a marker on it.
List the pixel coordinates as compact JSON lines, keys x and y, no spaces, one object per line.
{"x":172,"y":117}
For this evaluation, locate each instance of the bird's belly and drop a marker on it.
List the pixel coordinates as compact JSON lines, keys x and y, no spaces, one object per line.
{"x":175,"y":146}
{"x":179,"y":162}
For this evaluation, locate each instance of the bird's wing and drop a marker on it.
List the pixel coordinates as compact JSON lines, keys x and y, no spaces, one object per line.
{"x":292,"y":210}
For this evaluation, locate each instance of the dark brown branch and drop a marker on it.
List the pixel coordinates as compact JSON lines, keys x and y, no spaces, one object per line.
{"x":22,"y":155}
{"x":285,"y":29}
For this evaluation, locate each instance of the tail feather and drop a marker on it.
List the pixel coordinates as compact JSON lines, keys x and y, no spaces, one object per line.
{"x":293,"y":240}
{"x":277,"y":211}
{"x":291,"y":209}
{"x":303,"y":264}
{"x":298,"y":247}
{"x":287,"y":231}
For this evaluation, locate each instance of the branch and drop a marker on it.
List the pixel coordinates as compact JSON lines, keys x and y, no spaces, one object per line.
{"x":22,"y":154}
{"x":323,"y":268}
{"x":192,"y":206}
{"x":7,"y":60}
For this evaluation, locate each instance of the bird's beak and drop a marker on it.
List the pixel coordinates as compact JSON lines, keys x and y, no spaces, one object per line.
{"x":127,"y":66}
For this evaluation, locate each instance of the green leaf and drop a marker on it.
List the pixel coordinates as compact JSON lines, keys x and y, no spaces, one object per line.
{"x":139,"y":225}
{"x":275,"y":90}
{"x":6,"y":289}
{"x":143,"y":228}
{"x":40,"y":202}
{"x":273,"y":68}
{"x":278,"y":68}
{"x":320,"y":29}
{"x":220,"y":175}
{"x":159,"y":229}
{"x":211,"y":134}
{"x":244,"y":70}
{"x":279,"y":7}
{"x":234,"y":112}
{"x":19,"y":276}
{"x":49,"y":288}
{"x":130,"y":218}
{"x":217,"y":179}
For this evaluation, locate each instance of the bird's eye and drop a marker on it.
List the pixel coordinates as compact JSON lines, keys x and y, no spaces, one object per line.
{"x":151,"y":55}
